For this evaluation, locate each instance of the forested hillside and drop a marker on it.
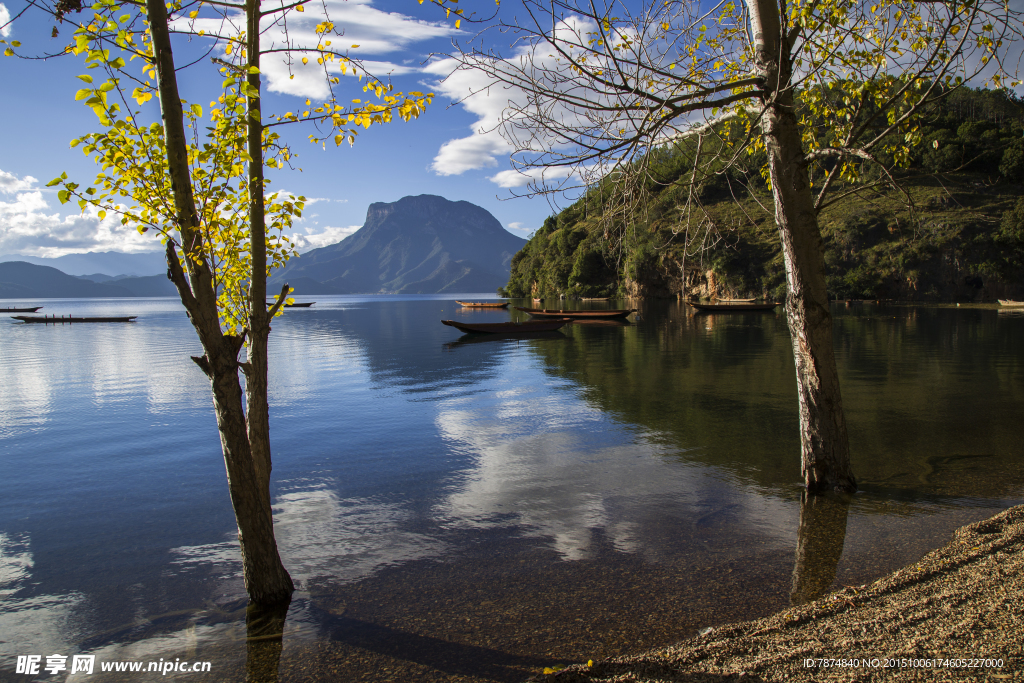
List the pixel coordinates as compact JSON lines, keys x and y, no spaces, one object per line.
{"x":953,"y":228}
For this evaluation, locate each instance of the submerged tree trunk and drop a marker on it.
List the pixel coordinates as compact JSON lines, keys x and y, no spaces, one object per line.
{"x":819,"y":545}
{"x":266,"y":579}
{"x":824,"y":444}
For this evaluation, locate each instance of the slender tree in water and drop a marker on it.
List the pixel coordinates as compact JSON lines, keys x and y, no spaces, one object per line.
{"x":824,"y":89}
{"x":224,"y":233}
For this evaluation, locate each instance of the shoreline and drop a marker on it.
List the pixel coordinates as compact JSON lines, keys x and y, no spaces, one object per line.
{"x":951,"y":616}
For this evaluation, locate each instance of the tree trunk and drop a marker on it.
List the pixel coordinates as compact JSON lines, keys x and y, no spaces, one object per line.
{"x":256,"y":375}
{"x":824,"y":444}
{"x":266,"y":579}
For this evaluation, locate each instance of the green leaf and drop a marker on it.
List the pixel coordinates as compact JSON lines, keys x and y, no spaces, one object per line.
{"x":55,"y":181}
{"x":63,"y":196}
{"x":86,"y":77}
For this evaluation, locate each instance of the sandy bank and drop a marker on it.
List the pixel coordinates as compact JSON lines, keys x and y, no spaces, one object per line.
{"x":950,"y":617}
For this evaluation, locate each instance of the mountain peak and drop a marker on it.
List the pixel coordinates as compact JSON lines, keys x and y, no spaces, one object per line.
{"x":421,"y":244}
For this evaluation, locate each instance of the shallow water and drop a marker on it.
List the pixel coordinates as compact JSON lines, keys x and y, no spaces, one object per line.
{"x":454,"y":509}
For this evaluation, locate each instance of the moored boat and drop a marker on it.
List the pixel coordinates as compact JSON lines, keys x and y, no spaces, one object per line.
{"x":1010,"y":302}
{"x":302,"y":305}
{"x":735,"y":301}
{"x":589,"y":315}
{"x":482,"y":304}
{"x":20,"y":310}
{"x":507,"y":327}
{"x":53,"y":320}
{"x":725,"y":308}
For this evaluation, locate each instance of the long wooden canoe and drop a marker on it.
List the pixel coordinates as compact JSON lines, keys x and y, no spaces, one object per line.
{"x":53,"y":320}
{"x":735,"y":301}
{"x":1010,"y":302}
{"x":506,"y":328}
{"x":20,"y":310}
{"x":482,"y":304}
{"x":725,"y":308}
{"x":303,"y":305}
{"x":588,"y":315}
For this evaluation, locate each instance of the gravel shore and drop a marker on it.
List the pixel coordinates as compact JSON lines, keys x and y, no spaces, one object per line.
{"x":956,"y":615}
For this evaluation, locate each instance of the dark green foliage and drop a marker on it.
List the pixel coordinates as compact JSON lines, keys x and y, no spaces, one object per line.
{"x":963,"y":238}
{"x":1011,"y":166}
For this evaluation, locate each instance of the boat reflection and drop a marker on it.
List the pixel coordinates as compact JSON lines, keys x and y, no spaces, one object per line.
{"x":468,"y":339}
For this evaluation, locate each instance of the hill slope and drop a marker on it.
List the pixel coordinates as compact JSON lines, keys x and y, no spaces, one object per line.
{"x":417,"y":245}
{"x":962,"y":240}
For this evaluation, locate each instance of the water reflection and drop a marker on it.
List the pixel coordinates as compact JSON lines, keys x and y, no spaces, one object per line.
{"x":819,"y":545}
{"x":480,"y":510}
{"x":323,"y":536}
{"x":264,"y":640}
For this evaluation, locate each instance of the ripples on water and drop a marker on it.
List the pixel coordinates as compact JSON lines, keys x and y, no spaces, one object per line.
{"x":461,"y":510}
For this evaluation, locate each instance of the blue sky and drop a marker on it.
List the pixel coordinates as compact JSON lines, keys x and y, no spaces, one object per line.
{"x":440,"y":153}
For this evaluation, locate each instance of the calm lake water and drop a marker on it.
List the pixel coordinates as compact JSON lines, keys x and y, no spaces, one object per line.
{"x":464,"y":510}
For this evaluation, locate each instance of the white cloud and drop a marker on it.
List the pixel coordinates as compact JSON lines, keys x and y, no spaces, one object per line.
{"x":322,"y":238}
{"x":466,"y":154}
{"x":5,"y":17}
{"x":518,"y":227}
{"x":471,"y":89}
{"x":367,"y":31}
{"x":10,"y":183}
{"x":521,"y":178}
{"x":475,"y":89}
{"x":30,"y":229}
{"x":509,"y":121}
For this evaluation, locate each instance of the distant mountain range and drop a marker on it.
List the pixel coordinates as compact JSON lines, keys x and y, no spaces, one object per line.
{"x":22,"y":280}
{"x":417,"y":245}
{"x":108,"y":264}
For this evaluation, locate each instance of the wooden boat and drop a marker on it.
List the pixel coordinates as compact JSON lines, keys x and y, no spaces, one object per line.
{"x":596,"y":298}
{"x":53,"y":320}
{"x":1010,"y":302}
{"x":506,"y":328}
{"x":735,"y":301}
{"x":20,"y":310}
{"x":482,"y":304}
{"x":305,"y":305}
{"x":589,"y":315}
{"x":725,"y":308}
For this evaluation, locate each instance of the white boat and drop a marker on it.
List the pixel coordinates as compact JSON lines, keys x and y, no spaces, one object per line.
{"x":1010,"y":302}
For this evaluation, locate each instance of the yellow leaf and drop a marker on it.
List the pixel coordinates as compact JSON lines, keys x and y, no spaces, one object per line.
{"x":300,"y":8}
